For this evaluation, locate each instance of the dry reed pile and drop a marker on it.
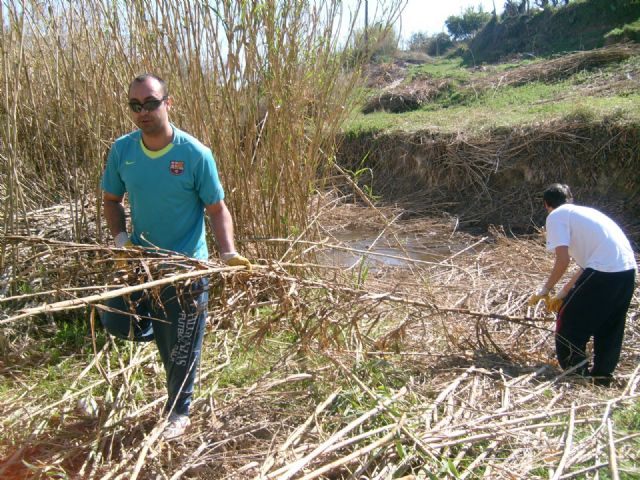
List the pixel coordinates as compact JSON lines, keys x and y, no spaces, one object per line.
{"x":564,"y":66}
{"x":437,"y":367}
{"x":405,"y":98}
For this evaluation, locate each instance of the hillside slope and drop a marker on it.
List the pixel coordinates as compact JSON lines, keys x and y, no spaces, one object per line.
{"x":578,"y":26}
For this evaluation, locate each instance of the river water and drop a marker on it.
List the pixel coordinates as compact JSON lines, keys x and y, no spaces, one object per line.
{"x":350,"y":247}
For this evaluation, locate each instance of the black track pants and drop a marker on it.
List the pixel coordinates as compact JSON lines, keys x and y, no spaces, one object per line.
{"x":176,"y":321}
{"x":595,"y":307}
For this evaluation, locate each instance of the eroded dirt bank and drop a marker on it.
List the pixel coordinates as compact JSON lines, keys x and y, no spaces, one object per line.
{"x":497,"y":177}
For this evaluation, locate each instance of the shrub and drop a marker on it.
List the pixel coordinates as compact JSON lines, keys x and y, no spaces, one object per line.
{"x":377,"y":42}
{"x":465,"y":26}
{"x":627,"y":33}
{"x":433,"y":45}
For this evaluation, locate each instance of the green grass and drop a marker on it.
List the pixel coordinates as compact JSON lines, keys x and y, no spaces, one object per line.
{"x":450,"y":68}
{"x":57,"y":353}
{"x":502,"y":112}
{"x":473,"y":105}
{"x":507,"y":107}
{"x":248,"y":363}
{"x":53,"y":379}
{"x":630,"y":31}
{"x":628,"y":419}
{"x":245,"y":369}
{"x":358,"y":124}
{"x":627,"y":422}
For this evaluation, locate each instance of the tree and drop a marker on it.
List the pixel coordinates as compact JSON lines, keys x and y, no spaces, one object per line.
{"x":546,"y":3}
{"x":462,"y":27}
{"x":418,"y":42}
{"x":438,"y":44}
{"x":513,"y":8}
{"x":377,"y":41}
{"x":433,"y":45}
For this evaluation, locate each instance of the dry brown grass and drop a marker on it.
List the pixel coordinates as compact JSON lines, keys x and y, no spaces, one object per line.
{"x":440,"y":367}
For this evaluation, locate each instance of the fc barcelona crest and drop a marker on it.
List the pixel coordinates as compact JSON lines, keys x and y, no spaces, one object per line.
{"x":176,"y":167}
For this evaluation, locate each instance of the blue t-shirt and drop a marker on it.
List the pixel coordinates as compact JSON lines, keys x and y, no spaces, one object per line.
{"x":168,"y":190}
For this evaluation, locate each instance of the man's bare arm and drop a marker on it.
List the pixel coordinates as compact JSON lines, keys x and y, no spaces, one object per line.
{"x":559,"y":267}
{"x":114,"y":213}
{"x":569,"y":285}
{"x":222,"y":226}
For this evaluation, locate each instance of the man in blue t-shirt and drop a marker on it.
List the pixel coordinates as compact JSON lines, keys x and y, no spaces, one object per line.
{"x":171,"y":181}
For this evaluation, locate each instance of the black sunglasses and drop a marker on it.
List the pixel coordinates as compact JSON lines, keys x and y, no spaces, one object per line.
{"x":149,"y":105}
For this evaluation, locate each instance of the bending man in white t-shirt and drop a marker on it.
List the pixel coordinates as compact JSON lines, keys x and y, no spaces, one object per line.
{"x":594,"y":302}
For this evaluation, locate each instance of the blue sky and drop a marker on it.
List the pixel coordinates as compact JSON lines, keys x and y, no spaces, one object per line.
{"x":429,"y":15}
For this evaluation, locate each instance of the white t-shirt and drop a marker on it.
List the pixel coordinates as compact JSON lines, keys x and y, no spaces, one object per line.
{"x":594,"y":240}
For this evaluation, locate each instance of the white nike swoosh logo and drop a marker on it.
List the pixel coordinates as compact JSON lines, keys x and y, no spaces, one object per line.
{"x":129,"y":163}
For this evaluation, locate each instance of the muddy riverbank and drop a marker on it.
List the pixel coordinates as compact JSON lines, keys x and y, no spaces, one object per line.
{"x":497,"y":178}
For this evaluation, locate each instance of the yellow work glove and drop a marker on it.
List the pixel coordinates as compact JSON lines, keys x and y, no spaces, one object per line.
{"x":122,"y":241}
{"x":554,"y":304}
{"x":542,"y":294}
{"x":234,"y":259}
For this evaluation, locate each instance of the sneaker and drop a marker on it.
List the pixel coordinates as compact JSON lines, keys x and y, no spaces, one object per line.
{"x":601,"y":380}
{"x":176,"y":426}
